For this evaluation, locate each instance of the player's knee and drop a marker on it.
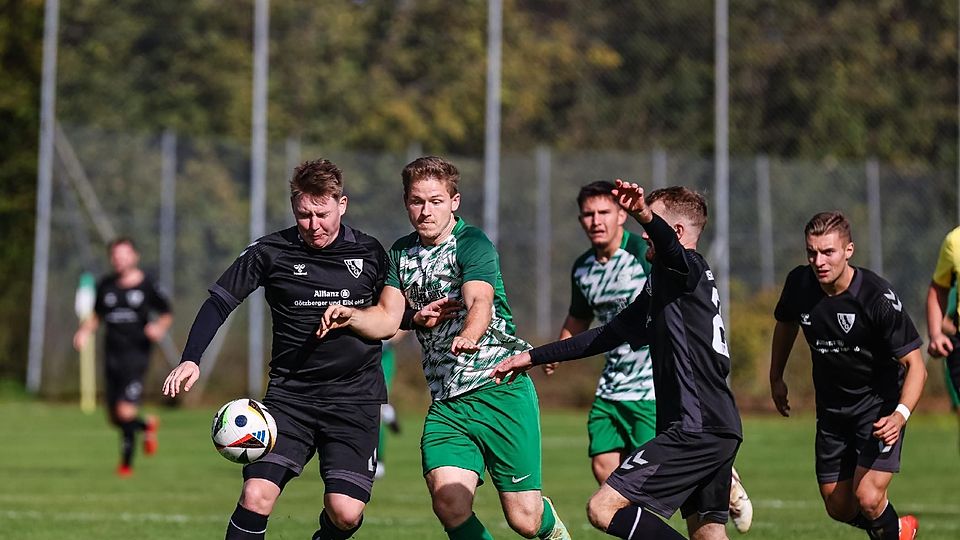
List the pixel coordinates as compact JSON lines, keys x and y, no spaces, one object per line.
{"x":450,"y":508}
{"x":345,"y":517}
{"x":599,"y":512}
{"x":259,"y":496}
{"x":871,"y":501}
{"x":840,"y":510}
{"x":525,"y":519}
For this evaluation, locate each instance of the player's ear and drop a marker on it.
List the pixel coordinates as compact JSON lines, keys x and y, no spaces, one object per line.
{"x":342,"y":205}
{"x":455,"y":202}
{"x":621,"y":215}
{"x":848,"y":250}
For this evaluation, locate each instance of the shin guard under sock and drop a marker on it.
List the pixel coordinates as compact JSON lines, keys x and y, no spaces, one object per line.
{"x":633,"y":523}
{"x":471,"y":529}
{"x":329,"y":531}
{"x":246,"y":525}
{"x":886,"y":526}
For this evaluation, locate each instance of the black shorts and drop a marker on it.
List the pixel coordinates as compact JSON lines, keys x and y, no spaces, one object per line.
{"x":844,"y":443}
{"x":124,"y":374}
{"x":344,"y":435}
{"x":680,"y":470}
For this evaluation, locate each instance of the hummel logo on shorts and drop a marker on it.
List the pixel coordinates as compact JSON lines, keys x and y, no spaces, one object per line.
{"x":516,"y":480}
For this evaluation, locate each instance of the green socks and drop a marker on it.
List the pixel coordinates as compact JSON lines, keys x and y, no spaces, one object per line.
{"x":548,"y":521}
{"x":471,"y":529}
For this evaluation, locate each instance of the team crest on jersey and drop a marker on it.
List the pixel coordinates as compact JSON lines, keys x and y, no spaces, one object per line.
{"x":846,"y":321}
{"x":300,"y":269}
{"x":805,"y":319}
{"x":355,"y":266}
{"x":134,"y":298}
{"x":110,"y":299}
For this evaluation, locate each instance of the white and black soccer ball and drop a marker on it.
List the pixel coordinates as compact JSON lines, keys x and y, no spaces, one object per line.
{"x":243,"y":430}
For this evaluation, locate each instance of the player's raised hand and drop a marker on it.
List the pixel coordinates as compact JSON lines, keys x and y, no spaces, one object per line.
{"x":888,"y":428}
{"x":336,"y":316}
{"x":512,"y":367}
{"x":463,"y":345}
{"x":437,"y":312}
{"x":778,"y":390}
{"x":187,"y":372}
{"x":630,"y":196}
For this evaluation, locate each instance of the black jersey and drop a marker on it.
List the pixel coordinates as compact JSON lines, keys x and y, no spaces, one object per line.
{"x":855,"y":339}
{"x":299,"y":283}
{"x":678,"y":315}
{"x":126,"y":311}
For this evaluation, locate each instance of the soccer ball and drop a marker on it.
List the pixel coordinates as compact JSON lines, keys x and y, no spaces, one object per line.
{"x":243,"y":431}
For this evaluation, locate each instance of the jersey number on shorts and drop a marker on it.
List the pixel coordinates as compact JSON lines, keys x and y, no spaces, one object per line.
{"x":719,"y":332}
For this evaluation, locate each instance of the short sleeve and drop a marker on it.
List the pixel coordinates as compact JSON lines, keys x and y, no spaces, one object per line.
{"x":159,"y":301}
{"x":99,"y":307}
{"x":786,"y":310}
{"x":943,"y":274}
{"x":383,"y":267}
{"x":245,"y":274}
{"x":392,"y":277}
{"x":894,"y":324}
{"x":478,"y":258}
{"x":579,"y":307}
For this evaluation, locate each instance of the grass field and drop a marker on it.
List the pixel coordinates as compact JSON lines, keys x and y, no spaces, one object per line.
{"x":58,"y":482}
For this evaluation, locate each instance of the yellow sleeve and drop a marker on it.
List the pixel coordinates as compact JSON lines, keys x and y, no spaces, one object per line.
{"x":948,"y":265}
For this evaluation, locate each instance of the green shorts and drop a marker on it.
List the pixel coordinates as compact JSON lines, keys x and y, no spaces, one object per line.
{"x":496,"y":427}
{"x":620,"y":425}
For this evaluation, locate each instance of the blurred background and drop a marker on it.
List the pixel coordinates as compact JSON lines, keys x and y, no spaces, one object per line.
{"x":159,"y":130}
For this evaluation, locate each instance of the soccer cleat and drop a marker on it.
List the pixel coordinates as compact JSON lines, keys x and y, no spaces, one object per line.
{"x":741,"y":509}
{"x":124,"y":471}
{"x":380,"y":472}
{"x":150,"y":436}
{"x":559,"y":531}
{"x":909,"y":527}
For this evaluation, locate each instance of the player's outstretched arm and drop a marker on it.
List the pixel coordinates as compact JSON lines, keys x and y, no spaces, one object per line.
{"x":187,"y":373}
{"x":511,"y":368}
{"x":380,"y":321}
{"x":571,"y":327}
{"x":887,"y":429}
{"x":784,"y":334}
{"x":940,"y":344}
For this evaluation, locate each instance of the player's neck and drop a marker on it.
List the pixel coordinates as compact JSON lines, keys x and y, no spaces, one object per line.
{"x":130,"y":278}
{"x":840,"y":284}
{"x":606,"y":251}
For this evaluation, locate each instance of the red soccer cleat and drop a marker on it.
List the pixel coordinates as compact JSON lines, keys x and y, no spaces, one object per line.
{"x":124,"y":471}
{"x":150,"y":436}
{"x":909,"y":527}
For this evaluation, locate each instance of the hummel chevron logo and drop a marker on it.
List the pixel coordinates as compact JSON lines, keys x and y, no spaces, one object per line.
{"x":894,"y":301}
{"x":633,"y":461}
{"x":516,"y":480}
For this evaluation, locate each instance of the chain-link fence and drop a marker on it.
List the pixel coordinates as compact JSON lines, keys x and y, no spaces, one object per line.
{"x":540,"y":233}
{"x":591,"y":90}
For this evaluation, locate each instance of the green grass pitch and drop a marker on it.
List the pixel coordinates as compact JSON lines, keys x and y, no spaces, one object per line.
{"x":58,"y":481}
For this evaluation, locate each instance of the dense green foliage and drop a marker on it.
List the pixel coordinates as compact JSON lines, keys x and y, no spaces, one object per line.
{"x":60,"y":481}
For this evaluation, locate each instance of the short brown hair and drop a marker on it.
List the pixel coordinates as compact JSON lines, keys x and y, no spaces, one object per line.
{"x":683,"y":202}
{"x":600,"y":188}
{"x":319,"y":177}
{"x":828,"y":222}
{"x":427,"y":167}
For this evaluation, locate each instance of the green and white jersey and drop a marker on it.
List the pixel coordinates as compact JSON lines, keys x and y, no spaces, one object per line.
{"x":600,"y":291}
{"x":428,"y":273}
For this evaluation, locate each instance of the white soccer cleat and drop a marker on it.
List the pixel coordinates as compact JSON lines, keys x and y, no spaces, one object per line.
{"x":380,"y":472}
{"x":741,"y":509}
{"x":559,"y":531}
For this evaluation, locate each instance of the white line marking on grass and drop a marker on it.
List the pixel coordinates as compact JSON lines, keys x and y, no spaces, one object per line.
{"x":174,"y":518}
